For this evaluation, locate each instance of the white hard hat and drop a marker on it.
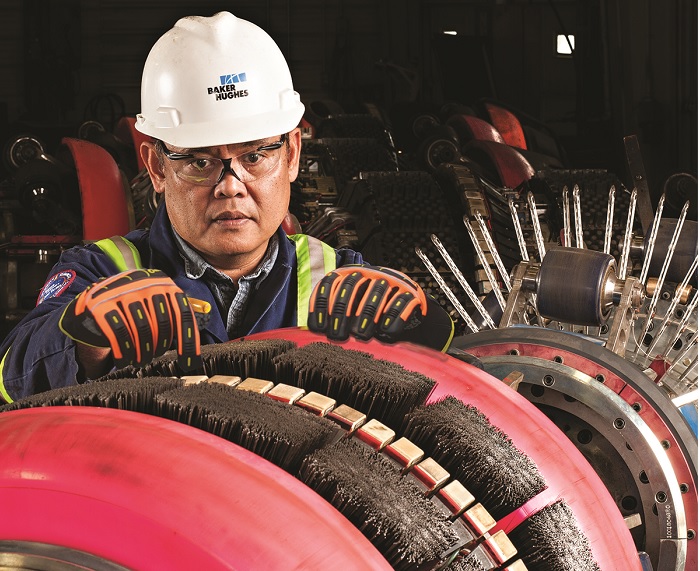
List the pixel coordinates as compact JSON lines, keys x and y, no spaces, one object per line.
{"x":216,"y":81}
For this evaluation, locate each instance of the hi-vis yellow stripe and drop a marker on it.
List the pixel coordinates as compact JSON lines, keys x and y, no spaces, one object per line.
{"x":3,"y":390}
{"x":314,"y":260}
{"x":122,"y":252}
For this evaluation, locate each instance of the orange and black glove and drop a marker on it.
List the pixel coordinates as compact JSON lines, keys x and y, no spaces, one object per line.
{"x":365,"y":301}
{"x":137,"y":313}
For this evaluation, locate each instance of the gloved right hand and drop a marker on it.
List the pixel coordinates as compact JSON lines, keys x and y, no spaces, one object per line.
{"x":137,"y":314}
{"x":365,"y":301}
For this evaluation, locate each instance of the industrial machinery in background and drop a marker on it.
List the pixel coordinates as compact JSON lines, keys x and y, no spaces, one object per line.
{"x":573,"y":290}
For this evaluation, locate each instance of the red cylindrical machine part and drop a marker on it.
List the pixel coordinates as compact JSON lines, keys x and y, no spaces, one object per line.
{"x":567,"y":473}
{"x":126,"y":131}
{"x":512,"y":168}
{"x":102,"y":197}
{"x":149,"y":493}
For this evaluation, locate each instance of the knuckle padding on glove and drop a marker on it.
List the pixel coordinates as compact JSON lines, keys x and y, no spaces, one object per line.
{"x":364,"y":301}
{"x":138,"y":313}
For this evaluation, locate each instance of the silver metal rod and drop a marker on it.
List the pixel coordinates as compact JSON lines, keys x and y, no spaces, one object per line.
{"x":567,"y":218}
{"x":625,"y":253}
{"x":446,"y":290}
{"x":683,"y":324}
{"x":577,"y":217}
{"x":652,"y":240}
{"x":686,"y":350}
{"x":679,"y":359}
{"x":494,"y":252}
{"x":689,"y":368}
{"x":539,"y":239}
{"x":609,"y":220}
{"x":674,"y":303}
{"x":485,"y":264}
{"x":463,"y":282}
{"x":518,"y":231}
{"x":662,"y":276}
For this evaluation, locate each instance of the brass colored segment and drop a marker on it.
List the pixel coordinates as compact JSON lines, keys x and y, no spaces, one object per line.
{"x":500,"y":546}
{"x":286,"y":393}
{"x":404,"y":452}
{"x":456,"y":497}
{"x":260,"y":386}
{"x":633,"y":520}
{"x":479,"y":519}
{"x":349,"y":418}
{"x":431,"y":474}
{"x":376,"y":434}
{"x":317,"y":403}
{"x":230,"y":380}
{"x":194,"y":379}
{"x":517,"y":565}
{"x":514,"y":379}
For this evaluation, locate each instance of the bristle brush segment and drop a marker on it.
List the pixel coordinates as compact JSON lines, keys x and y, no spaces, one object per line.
{"x":244,"y":358}
{"x":408,"y":529}
{"x":380,"y":389}
{"x":278,"y":432}
{"x":551,"y":540}
{"x":476,"y":453}
{"x":127,"y":394}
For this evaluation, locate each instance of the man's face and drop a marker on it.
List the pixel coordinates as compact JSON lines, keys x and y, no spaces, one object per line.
{"x":229,"y":223}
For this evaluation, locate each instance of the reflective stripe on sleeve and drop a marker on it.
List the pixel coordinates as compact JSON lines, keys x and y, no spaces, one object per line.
{"x":3,"y":390}
{"x":122,"y":252}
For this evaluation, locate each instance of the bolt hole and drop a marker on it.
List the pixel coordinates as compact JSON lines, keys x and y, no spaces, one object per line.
{"x":584,"y":436}
{"x":619,"y":423}
{"x":629,"y":503}
{"x":684,"y":488}
{"x":637,"y":407}
{"x":661,"y":497}
{"x":665,"y":444}
{"x":548,"y":380}
{"x":600,"y":378}
{"x":514,"y":352}
{"x":647,"y":340}
{"x":643,"y":478}
{"x":691,"y":534}
{"x":537,"y":390}
{"x":558,"y":359}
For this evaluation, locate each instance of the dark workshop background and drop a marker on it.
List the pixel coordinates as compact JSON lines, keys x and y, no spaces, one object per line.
{"x":634,"y":70}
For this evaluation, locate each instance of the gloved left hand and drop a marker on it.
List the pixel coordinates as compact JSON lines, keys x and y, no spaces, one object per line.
{"x":137,"y":314}
{"x":365,"y":301}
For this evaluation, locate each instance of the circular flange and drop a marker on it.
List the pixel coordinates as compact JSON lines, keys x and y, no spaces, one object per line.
{"x":618,"y":424}
{"x":624,"y":379}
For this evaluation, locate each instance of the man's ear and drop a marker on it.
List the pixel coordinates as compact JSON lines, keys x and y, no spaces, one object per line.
{"x":154,"y":164}
{"x":294,"y":154}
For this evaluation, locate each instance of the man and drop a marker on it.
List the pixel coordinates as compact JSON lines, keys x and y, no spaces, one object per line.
{"x":218,"y":101}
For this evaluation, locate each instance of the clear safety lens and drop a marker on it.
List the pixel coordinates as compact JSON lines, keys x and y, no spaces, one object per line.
{"x":203,"y":170}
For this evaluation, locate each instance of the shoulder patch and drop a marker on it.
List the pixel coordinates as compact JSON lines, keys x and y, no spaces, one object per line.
{"x":56,"y":285}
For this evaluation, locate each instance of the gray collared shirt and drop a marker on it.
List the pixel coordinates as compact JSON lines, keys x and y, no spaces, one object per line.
{"x":231,"y":298}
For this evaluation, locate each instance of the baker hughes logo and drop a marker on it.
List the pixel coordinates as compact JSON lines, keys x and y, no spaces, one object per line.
{"x":229,"y":88}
